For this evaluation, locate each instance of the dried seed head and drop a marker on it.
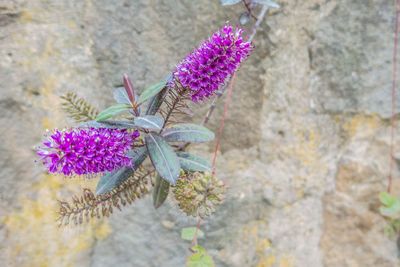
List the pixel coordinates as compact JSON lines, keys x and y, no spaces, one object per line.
{"x":198,"y":194}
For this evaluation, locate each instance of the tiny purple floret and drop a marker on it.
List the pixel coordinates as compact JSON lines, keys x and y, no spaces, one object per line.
{"x":86,"y":151}
{"x":206,"y":69}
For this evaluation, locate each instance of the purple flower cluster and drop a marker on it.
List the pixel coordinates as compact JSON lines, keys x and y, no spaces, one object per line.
{"x":206,"y":68}
{"x":87,"y":150}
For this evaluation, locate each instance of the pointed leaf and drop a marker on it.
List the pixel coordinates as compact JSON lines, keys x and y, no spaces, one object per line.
{"x":191,"y":162}
{"x":229,"y":2}
{"x":129,"y":89}
{"x":109,"y":124}
{"x":121,"y":96}
{"x":151,"y":91}
{"x":112,"y":111}
{"x":110,"y":180}
{"x":268,"y":3}
{"x":160,"y":192}
{"x":151,"y":122}
{"x":188,"y":233}
{"x":155,"y":102}
{"x":163,"y":157}
{"x":138,"y":155}
{"x":187,"y":132}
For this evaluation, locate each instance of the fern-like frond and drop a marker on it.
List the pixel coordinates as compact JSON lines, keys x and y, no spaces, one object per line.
{"x":175,"y":107}
{"x":88,"y":206}
{"x":78,"y":108}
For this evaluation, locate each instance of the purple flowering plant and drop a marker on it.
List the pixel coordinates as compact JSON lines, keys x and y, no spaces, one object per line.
{"x":114,"y":144}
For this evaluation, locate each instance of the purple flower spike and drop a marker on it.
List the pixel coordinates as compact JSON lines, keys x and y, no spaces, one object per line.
{"x":87,"y":150}
{"x":206,"y":69}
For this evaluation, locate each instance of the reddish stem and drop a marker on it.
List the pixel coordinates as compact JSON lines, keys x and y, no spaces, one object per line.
{"x":222,"y":123}
{"x":394,"y":86}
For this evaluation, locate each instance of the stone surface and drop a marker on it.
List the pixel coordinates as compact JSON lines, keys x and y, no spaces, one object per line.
{"x":305,"y":150}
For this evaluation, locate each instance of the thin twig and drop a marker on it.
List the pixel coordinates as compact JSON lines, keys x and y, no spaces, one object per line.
{"x":222,"y":123}
{"x":247,"y":6}
{"x":394,"y":85}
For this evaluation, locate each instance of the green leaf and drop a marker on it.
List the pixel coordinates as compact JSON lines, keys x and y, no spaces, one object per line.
{"x":112,"y":111}
{"x":155,"y":102}
{"x":392,"y":211}
{"x":160,"y":192}
{"x":109,"y":124}
{"x":268,"y":3}
{"x":188,"y":233}
{"x":191,"y":162}
{"x":138,"y":155}
{"x":110,"y":180}
{"x":387,"y":199}
{"x":151,"y":91}
{"x":187,"y":132}
{"x":229,"y":2}
{"x":121,"y":96}
{"x":199,"y":258}
{"x":163,"y":157}
{"x":151,"y":122}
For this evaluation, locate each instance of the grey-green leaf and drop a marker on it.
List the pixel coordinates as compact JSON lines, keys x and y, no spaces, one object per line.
{"x":151,"y":122}
{"x":155,"y":102}
{"x":121,"y":96}
{"x":187,"y":132}
{"x":191,"y":162}
{"x":268,"y":3}
{"x":229,"y":2}
{"x":138,"y":155}
{"x":112,"y":179}
{"x":151,"y":91}
{"x":160,"y":192}
{"x":163,"y":157}
{"x":188,"y":233}
{"x":109,"y":124}
{"x":112,"y":111}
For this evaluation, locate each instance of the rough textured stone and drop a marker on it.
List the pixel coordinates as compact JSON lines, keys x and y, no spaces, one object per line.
{"x":304,"y":152}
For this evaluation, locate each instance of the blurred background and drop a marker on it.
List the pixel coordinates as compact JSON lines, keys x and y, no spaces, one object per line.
{"x":305,"y":151}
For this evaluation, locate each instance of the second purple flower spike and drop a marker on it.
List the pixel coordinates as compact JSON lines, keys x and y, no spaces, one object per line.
{"x":206,"y":69}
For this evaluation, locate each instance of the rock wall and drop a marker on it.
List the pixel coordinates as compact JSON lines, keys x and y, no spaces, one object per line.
{"x":305,"y":150}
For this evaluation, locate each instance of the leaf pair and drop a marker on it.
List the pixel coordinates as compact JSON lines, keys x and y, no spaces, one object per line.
{"x":126,"y":99}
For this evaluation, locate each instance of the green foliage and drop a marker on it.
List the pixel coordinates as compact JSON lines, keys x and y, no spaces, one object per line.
{"x":150,"y":122}
{"x":121,"y":96}
{"x":391,"y":210}
{"x":112,"y":111}
{"x":188,"y":132}
{"x":189,"y":233}
{"x":200,"y":258}
{"x":151,"y":91}
{"x":77,"y":108}
{"x":111,"y":180}
{"x":190,"y":162}
{"x":230,"y":2}
{"x":163,"y":157}
{"x":156,"y":101}
{"x":160,"y":192}
{"x":268,"y":3}
{"x":391,"y":205}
